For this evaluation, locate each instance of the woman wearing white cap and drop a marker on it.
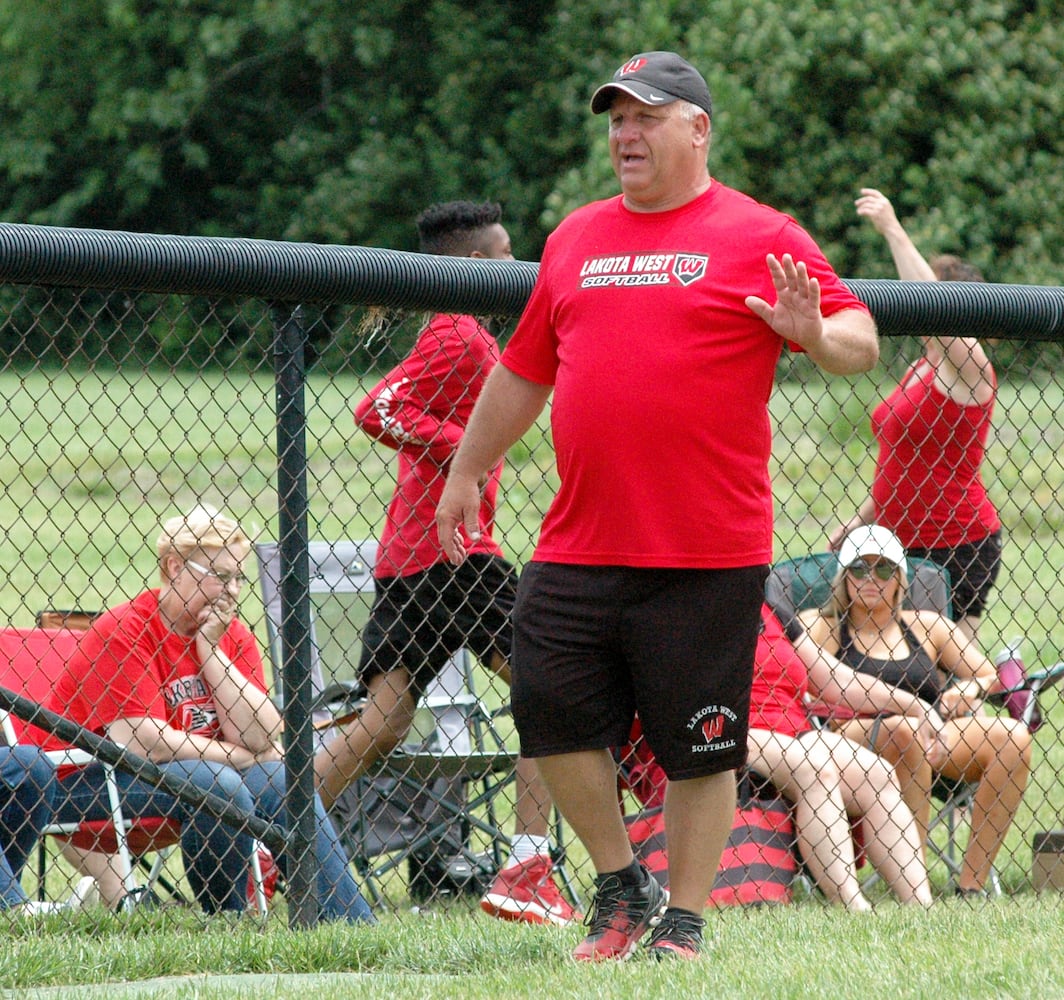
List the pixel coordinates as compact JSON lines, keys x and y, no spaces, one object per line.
{"x":864,"y":625}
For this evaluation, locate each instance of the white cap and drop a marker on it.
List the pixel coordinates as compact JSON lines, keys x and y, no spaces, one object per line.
{"x":872,"y":540}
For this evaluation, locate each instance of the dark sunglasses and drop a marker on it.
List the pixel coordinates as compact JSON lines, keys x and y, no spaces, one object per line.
{"x":883,"y":570}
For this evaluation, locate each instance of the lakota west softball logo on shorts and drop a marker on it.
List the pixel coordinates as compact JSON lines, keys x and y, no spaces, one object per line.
{"x":640,"y":270}
{"x":707,"y":726}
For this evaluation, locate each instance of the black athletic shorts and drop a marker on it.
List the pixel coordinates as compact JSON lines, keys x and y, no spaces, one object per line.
{"x":418,"y":622}
{"x":973,"y":569}
{"x":595,"y":644}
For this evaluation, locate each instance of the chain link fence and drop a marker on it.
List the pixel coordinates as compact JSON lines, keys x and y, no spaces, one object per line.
{"x":124,"y":409}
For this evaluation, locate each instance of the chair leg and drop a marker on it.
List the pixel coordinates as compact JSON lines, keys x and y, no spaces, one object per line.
{"x":124,"y":856}
{"x":256,"y":875}
{"x":155,"y":876}
{"x":42,"y":867}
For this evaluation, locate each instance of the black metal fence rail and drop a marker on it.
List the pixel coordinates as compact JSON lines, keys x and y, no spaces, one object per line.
{"x":319,"y":273}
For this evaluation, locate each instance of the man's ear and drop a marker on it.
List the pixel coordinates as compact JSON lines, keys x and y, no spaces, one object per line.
{"x":703,"y":129}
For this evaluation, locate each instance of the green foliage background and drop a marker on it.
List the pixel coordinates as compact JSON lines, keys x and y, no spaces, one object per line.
{"x":326,"y":121}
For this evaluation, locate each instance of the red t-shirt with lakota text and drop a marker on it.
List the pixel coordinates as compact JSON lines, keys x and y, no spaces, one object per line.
{"x":661,"y":378}
{"x":129,"y":664}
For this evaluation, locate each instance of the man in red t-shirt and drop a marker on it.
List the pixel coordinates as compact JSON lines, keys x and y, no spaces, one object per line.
{"x":656,"y":320}
{"x":425,"y":610}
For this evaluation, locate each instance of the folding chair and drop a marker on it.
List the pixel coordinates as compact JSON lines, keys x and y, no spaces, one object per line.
{"x":454,"y":741}
{"x":31,"y":660}
{"x":805,"y":582}
{"x":794,"y":585}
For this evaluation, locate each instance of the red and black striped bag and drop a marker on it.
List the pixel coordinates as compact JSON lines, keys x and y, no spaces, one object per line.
{"x":760,"y":860}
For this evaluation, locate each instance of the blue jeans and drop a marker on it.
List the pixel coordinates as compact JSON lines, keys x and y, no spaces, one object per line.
{"x":27,"y":796}
{"x":217,"y":857}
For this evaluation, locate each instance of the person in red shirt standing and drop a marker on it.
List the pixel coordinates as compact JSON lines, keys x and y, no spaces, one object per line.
{"x":177,"y":678}
{"x":425,"y":610}
{"x":656,"y":321}
{"x":932,"y":431}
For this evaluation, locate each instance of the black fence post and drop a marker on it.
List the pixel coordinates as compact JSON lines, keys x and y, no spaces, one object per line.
{"x":296,"y":687}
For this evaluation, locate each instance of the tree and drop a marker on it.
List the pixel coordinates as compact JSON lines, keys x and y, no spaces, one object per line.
{"x":953,"y":112}
{"x":326,"y":121}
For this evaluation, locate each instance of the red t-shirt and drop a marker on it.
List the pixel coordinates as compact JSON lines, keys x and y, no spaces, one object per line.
{"x":781,"y":681}
{"x":661,"y":379}
{"x":927,"y":487}
{"x":129,"y":664}
{"x":421,"y":408}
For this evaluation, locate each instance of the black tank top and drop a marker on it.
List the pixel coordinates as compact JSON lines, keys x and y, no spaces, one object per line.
{"x":915,"y":673}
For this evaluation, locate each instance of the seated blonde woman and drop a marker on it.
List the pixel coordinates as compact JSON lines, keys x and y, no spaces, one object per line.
{"x":831,"y":780}
{"x":864,"y":625}
{"x":177,"y":677}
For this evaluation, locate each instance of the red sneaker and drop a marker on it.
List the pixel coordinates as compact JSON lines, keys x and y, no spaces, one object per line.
{"x":622,"y":915}
{"x":678,"y":935}
{"x":527,"y":891}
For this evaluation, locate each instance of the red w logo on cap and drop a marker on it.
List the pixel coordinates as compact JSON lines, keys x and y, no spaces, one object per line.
{"x":632,"y":66}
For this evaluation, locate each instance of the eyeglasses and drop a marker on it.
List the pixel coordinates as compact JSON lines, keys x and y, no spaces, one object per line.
{"x":223,"y":578}
{"x":883,"y":570}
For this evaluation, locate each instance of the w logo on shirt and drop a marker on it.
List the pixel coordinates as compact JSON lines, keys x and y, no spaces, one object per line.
{"x":713,"y":729}
{"x":690,"y":267}
{"x":201,"y":719}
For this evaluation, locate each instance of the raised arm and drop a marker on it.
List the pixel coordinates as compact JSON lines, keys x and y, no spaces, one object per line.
{"x":246,"y":715}
{"x":848,"y":343}
{"x":964,"y":372}
{"x":876,"y":207}
{"x":962,"y":369}
{"x":507,"y":407}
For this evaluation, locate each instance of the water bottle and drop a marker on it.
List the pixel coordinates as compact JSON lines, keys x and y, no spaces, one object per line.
{"x":1011,"y":674}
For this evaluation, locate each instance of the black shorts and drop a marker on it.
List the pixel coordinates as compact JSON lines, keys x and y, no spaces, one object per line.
{"x":595,"y":644}
{"x":418,"y":622}
{"x":973,"y":569}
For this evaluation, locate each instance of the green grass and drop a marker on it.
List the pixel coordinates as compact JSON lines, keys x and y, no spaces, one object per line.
{"x":1005,"y":950}
{"x":93,"y":461}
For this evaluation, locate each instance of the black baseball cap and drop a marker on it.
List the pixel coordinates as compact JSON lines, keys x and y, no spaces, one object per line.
{"x":655,"y":78}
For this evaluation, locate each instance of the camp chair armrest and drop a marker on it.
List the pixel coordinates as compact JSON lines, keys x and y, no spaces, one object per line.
{"x":1036,"y":682}
{"x":70,"y":757}
{"x":822,"y":714}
